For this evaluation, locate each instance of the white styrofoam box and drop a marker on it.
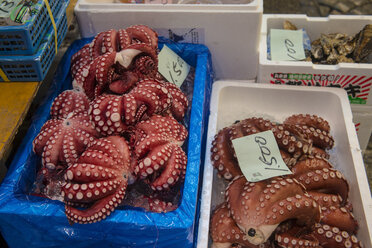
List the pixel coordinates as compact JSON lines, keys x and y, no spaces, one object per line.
{"x":362,"y":118}
{"x":237,"y":100}
{"x":231,"y":31}
{"x":356,"y":79}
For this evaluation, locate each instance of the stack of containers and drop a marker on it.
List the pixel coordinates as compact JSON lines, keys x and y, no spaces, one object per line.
{"x":355,"y":78}
{"x":27,"y":50}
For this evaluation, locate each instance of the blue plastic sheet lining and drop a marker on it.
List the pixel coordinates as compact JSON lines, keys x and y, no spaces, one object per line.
{"x":31,"y":221}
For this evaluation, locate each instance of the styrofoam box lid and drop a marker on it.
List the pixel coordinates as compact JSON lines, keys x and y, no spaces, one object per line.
{"x":237,"y":100}
{"x":314,"y":27}
{"x":109,"y":4}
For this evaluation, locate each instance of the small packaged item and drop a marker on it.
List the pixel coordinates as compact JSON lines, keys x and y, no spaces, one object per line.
{"x":16,"y":12}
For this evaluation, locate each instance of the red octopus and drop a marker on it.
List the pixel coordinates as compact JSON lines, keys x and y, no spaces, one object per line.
{"x":115,"y":60}
{"x":118,"y":98}
{"x":223,"y":155}
{"x":316,"y":195}
{"x":64,"y":137}
{"x":157,"y":148}
{"x":98,"y":179}
{"x":115,"y":114}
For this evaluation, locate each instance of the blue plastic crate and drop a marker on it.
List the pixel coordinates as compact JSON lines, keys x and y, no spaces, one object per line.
{"x":27,"y":220}
{"x":35,"y":67}
{"x":25,"y":39}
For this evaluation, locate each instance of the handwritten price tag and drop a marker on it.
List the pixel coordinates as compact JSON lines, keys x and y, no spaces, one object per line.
{"x":286,"y":44}
{"x":172,"y":66}
{"x":259,"y":156}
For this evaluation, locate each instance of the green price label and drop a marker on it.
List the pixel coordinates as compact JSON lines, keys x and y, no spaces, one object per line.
{"x":172,"y":66}
{"x":286,"y":45}
{"x":259,"y":156}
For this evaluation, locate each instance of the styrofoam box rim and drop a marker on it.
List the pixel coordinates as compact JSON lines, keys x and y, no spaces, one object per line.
{"x":263,"y":41}
{"x":362,"y":183}
{"x":103,"y":6}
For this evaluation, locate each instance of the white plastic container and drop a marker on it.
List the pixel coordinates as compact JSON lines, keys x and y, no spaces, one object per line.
{"x":362,"y":118}
{"x":231,"y":31}
{"x":355,"y":78}
{"x":233,"y":101}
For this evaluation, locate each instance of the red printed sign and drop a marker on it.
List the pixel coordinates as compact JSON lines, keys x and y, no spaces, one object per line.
{"x":357,"y":87}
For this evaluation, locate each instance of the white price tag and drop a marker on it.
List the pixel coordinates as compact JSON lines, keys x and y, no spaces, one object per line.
{"x":259,"y":156}
{"x":172,"y":66}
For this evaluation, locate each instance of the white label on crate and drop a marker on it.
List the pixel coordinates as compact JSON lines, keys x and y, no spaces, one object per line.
{"x":259,"y":156}
{"x":185,"y":35}
{"x":172,"y":66}
{"x":286,"y":45}
{"x":357,"y":87}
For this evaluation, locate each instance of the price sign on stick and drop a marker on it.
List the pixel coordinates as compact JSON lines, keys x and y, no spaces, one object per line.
{"x":286,"y":44}
{"x":259,"y":156}
{"x":172,"y":66}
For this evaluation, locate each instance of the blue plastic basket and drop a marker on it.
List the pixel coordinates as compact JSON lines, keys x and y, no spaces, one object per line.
{"x":32,"y":221}
{"x":35,"y":67}
{"x":25,"y":39}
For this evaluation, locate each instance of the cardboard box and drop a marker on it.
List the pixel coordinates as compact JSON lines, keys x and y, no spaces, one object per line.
{"x":232,"y":100}
{"x":356,"y":79}
{"x":230,"y":31}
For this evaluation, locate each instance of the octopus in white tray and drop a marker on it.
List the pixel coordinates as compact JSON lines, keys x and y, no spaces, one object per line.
{"x":120,"y":126}
{"x":308,"y":208}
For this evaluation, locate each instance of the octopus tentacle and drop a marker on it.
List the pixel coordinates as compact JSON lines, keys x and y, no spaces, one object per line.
{"x":98,"y":211}
{"x":158,"y":206}
{"x":339,"y":217}
{"x":69,"y":101}
{"x":179,"y":101}
{"x":223,"y":155}
{"x":309,"y":120}
{"x":318,"y":152}
{"x":97,"y":180}
{"x":96,"y":45}
{"x":333,"y":237}
{"x":106,"y":113}
{"x":80,"y":59}
{"x":286,"y":240}
{"x":270,"y":202}
{"x":61,"y":141}
{"x":161,"y":160}
{"x":326,"y":180}
{"x":225,"y":233}
{"x":310,"y":163}
{"x":143,"y":34}
{"x":326,"y":200}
